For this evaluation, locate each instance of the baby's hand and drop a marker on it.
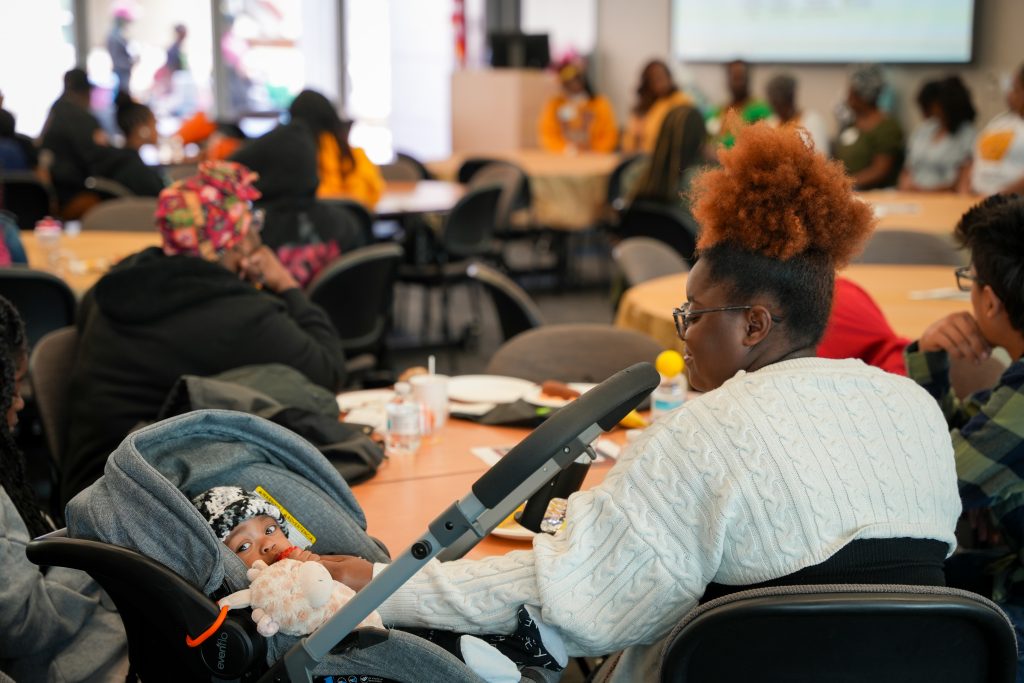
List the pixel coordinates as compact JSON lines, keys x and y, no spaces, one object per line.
{"x":295,"y":553}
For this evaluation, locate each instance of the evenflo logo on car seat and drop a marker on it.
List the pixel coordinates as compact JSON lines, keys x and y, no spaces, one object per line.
{"x":222,"y":650}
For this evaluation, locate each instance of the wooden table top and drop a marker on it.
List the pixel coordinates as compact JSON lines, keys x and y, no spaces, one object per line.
{"x":647,"y":307}
{"x":85,"y":257}
{"x":935,"y":213}
{"x":536,"y":163}
{"x":407,"y":198}
{"x":407,"y":493}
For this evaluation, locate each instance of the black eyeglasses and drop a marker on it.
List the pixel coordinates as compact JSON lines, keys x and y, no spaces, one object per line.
{"x":965,"y":279}
{"x":685,"y":315}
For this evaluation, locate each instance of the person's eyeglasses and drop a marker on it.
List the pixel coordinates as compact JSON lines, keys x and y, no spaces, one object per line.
{"x":685,"y":315}
{"x":965,"y":279}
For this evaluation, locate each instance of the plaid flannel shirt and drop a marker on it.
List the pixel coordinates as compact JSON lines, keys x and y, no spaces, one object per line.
{"x":987,"y":430}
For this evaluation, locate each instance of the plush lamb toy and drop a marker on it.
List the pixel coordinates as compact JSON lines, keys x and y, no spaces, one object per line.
{"x":293,"y":597}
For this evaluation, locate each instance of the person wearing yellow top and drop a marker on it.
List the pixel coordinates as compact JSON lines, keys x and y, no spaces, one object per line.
{"x":344,"y":171}
{"x":577,"y":120}
{"x":657,"y":95}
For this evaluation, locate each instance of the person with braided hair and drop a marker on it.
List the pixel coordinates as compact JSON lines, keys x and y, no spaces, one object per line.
{"x":789,"y":469}
{"x":56,"y":625}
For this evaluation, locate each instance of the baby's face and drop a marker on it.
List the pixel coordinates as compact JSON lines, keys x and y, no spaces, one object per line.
{"x":259,"y":538}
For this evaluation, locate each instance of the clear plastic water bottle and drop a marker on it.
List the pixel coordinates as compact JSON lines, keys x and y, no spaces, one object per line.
{"x":47,"y":232}
{"x":671,"y":391}
{"x":403,"y":422}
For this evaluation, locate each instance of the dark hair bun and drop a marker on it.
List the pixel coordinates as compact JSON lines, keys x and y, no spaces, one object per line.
{"x":774,"y":195}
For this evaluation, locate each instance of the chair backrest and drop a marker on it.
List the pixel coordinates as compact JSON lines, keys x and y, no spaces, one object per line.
{"x":910,"y":247}
{"x":107,"y":188}
{"x":410,"y":160}
{"x":359,"y":211}
{"x":356,"y":291}
{"x":614,"y":194}
{"x":27,"y":197}
{"x":470,"y":225}
{"x":401,"y":170}
{"x":470,"y":167}
{"x":843,"y":633}
{"x":645,"y":258}
{"x":572,"y":353}
{"x":516,"y":310}
{"x":176,"y":172}
{"x":127,"y":214}
{"x":670,"y":224}
{"x":44,"y":301}
{"x":49,"y":369}
{"x":513,"y":183}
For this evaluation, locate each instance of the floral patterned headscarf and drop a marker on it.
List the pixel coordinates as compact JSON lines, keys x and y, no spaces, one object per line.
{"x":208,"y":213}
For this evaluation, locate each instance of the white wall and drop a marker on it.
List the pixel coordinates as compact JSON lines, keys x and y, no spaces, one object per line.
{"x":631,"y":32}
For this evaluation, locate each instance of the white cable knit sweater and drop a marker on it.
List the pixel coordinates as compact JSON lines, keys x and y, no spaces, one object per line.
{"x":775,"y":471}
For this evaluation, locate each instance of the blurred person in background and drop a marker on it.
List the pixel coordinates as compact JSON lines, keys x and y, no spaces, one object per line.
{"x":577,"y":119}
{"x":939,"y":149}
{"x":344,"y":170}
{"x":998,"y":160}
{"x":73,"y":136}
{"x":871,"y":148}
{"x":781,"y":91}
{"x":123,"y":164}
{"x":742,"y":105}
{"x":665,"y":177}
{"x":657,"y":94}
{"x":121,"y":59}
{"x":17,"y":153}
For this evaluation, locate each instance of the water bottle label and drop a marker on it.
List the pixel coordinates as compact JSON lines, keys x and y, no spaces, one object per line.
{"x":660,"y":405}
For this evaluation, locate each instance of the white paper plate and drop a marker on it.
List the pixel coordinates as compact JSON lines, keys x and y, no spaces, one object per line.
{"x":512,"y":529}
{"x":537,"y":398}
{"x":487,"y":388}
{"x":370,"y":398}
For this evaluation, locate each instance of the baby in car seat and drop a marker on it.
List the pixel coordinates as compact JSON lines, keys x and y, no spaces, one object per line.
{"x":254,"y":529}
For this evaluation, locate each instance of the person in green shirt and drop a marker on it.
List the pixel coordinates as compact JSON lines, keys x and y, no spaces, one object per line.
{"x":871,"y":148}
{"x":742,"y":105}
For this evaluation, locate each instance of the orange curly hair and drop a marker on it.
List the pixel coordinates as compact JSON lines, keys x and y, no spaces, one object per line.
{"x":775,"y":196}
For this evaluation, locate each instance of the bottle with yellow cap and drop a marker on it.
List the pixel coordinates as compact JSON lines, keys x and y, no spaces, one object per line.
{"x":671,"y":391}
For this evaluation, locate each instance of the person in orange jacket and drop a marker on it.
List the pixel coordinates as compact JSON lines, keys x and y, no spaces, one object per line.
{"x":577,"y":119}
{"x":344,"y":171}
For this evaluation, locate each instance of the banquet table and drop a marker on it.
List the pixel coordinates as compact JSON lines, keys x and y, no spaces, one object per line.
{"x":930,"y":212}
{"x":409,"y":491}
{"x":568,"y":190}
{"x":647,"y":307}
{"x":86,"y":256}
{"x":410,"y":198}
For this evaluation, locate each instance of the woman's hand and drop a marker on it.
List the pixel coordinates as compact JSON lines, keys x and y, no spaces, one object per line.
{"x":354,"y":572}
{"x":958,"y":335}
{"x":262,"y":268}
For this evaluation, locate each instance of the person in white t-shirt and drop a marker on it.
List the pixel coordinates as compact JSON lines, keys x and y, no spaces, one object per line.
{"x":998,"y":165}
{"x":939,"y":151}
{"x":781,"y":93}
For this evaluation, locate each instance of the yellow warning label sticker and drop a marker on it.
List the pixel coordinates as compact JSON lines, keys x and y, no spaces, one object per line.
{"x":262,"y":492}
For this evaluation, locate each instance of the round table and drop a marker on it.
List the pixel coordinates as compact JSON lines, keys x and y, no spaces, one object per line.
{"x":932,"y":212}
{"x":85,"y":257}
{"x":568,"y":190}
{"x":647,"y":307}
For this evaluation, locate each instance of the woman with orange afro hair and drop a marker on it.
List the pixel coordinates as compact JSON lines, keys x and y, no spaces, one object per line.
{"x":791,"y":469}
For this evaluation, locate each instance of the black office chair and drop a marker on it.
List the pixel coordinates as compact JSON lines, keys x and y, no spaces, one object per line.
{"x":44,"y":301}
{"x":50,"y":368}
{"x":467,"y":235}
{"x":516,"y":310}
{"x":411,"y":161}
{"x":357,"y":290}
{"x":614,"y":195}
{"x":843,"y":634}
{"x":670,"y":224}
{"x":27,"y":197}
{"x":357,"y":211}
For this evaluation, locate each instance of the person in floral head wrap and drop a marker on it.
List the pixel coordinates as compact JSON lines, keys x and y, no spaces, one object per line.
{"x":210,"y":299}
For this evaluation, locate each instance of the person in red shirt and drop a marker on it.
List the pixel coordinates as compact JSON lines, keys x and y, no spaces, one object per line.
{"x":857,"y":328}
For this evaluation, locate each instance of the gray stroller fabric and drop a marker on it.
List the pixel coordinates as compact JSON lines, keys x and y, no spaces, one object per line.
{"x":143,"y":502}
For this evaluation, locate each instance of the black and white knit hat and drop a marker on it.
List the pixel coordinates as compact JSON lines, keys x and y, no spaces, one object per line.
{"x":225,"y":507}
